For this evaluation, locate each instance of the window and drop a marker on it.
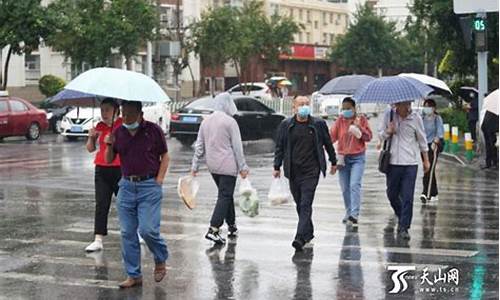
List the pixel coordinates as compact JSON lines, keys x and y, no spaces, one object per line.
{"x":332,"y":38}
{"x":325,"y":38}
{"x":301,"y":15}
{"x":32,"y":62}
{"x":324,"y":18}
{"x":300,"y":37}
{"x":315,"y":24}
{"x":18,"y":106}
{"x":331,"y":18}
{"x":308,"y":38}
{"x":3,"y":106}
{"x":308,"y":16}
{"x":249,"y":104}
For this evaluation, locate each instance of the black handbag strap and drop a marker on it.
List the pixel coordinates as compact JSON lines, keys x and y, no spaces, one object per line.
{"x":388,"y":142}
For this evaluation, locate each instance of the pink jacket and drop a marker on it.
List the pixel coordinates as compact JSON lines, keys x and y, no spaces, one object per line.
{"x":348,"y":144}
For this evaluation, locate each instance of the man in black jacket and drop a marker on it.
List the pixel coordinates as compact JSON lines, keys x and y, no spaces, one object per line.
{"x":300,"y":147}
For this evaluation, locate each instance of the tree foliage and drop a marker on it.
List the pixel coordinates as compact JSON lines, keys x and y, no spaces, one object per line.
{"x":49,"y":85}
{"x":442,"y":34}
{"x":23,"y":25}
{"x":88,"y":31}
{"x":370,"y":43}
{"x":238,"y":35}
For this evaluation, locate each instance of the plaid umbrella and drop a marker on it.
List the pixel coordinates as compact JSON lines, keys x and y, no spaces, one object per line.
{"x":392,"y":89}
{"x":345,"y":85}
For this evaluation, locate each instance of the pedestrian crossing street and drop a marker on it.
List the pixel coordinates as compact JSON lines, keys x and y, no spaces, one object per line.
{"x":47,"y":220}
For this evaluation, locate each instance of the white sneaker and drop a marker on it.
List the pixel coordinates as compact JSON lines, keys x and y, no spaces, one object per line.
{"x":95,"y":246}
{"x":434,"y":198}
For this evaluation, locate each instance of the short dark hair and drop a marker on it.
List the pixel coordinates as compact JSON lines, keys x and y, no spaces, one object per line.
{"x":430,"y":102}
{"x":110,"y":101}
{"x":136,"y":104}
{"x":350,"y":100}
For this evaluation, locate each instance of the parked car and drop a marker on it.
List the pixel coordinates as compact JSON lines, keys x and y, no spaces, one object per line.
{"x":259,"y":90}
{"x":19,"y":117}
{"x":330,"y":106}
{"x":78,"y":121}
{"x":256,"y":120}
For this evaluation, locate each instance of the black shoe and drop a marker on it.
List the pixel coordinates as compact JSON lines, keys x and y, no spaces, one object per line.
{"x":309,"y":240}
{"x":484,"y":167}
{"x":353,"y":221}
{"x":403,"y":234}
{"x":298,"y":244}
{"x":232,"y":231}
{"x":215,"y":237}
{"x":423,"y":198}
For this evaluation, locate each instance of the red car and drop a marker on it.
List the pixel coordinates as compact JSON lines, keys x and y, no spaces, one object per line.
{"x":18,"y":117}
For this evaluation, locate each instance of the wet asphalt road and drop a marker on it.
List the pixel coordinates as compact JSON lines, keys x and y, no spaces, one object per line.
{"x":46,"y":220}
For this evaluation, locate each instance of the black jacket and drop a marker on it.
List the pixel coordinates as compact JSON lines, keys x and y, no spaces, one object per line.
{"x":283,"y":152}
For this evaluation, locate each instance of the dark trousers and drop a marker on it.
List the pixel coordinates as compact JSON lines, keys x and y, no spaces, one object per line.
{"x":224,"y":208}
{"x":434,"y":189}
{"x":106,"y":184}
{"x":303,"y":190}
{"x":400,"y":190}
{"x":490,"y":128}
{"x":472,"y":129}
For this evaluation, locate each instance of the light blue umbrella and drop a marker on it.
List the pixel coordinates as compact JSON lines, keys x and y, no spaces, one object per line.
{"x":119,"y":84}
{"x":345,"y":85}
{"x":392,"y":89}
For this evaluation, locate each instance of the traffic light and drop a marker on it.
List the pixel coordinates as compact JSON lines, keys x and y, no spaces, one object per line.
{"x":479,"y":26}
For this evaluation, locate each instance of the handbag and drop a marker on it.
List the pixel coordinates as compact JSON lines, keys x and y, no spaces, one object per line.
{"x":441,"y":140}
{"x":384,"y":158}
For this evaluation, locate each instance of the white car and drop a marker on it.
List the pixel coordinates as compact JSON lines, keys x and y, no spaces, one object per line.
{"x":331,"y":106}
{"x":77,"y":122}
{"x":258,"y":90}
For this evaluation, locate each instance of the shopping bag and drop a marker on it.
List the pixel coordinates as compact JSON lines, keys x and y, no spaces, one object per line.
{"x":249,"y":204}
{"x":187,"y":188}
{"x":245,"y":187}
{"x":279,"y":192}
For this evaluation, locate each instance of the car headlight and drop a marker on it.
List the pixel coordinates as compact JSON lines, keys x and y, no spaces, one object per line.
{"x":49,"y":115}
{"x":65,"y":119}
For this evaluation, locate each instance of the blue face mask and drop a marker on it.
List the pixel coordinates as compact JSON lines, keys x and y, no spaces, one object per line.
{"x":132,"y":126}
{"x":304,"y":111}
{"x":427,"y":110}
{"x":348,"y":113}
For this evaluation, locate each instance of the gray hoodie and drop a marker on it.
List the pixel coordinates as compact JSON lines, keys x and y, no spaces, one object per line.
{"x":219,"y":140}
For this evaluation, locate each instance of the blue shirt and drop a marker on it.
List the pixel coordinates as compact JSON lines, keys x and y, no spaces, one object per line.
{"x":433,"y":127}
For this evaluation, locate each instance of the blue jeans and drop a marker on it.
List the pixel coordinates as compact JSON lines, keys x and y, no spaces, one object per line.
{"x":350,"y":179}
{"x":139,"y":207}
{"x":400,"y":191}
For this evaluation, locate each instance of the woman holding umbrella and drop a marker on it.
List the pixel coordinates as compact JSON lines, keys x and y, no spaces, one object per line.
{"x":434,"y":131}
{"x":106,"y":175}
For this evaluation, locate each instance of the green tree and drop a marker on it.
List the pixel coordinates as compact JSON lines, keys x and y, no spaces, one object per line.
{"x":131,"y":24}
{"x":239,"y":35}
{"x":445,"y":36}
{"x":370,"y":43}
{"x":81,"y":32}
{"x":213,"y":35}
{"x":87,"y":31}
{"x":259,"y":36}
{"x":22,"y":27}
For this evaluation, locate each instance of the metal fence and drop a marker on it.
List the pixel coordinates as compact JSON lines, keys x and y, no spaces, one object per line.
{"x":275,"y":104}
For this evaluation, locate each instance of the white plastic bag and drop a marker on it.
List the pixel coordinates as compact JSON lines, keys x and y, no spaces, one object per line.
{"x":246,"y":188}
{"x":354,"y":130}
{"x":249,"y":204}
{"x":279,"y":192}
{"x":187,"y":188}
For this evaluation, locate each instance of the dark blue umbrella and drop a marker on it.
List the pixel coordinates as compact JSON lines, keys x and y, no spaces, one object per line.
{"x":74,"y":98}
{"x":345,"y":85}
{"x":392,"y":89}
